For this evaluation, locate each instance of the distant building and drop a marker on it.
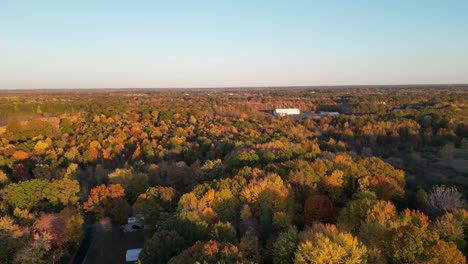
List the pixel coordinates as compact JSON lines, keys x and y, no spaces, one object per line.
{"x":286,"y":112}
{"x":132,"y":254}
{"x":319,"y":115}
{"x":398,"y":109}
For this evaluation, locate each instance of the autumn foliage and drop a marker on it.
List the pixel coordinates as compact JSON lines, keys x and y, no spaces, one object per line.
{"x":209,"y":252}
{"x":20,"y":155}
{"x":54,"y":225}
{"x":318,"y":209}
{"x":107,"y":201}
{"x":213,"y":176}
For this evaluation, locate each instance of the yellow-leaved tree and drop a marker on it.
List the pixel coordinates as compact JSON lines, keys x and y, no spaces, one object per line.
{"x":326,"y":244}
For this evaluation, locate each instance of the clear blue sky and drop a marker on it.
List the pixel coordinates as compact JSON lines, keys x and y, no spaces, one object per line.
{"x":112,"y":44}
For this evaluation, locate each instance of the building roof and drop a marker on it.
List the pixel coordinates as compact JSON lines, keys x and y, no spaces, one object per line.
{"x":132,"y":254}
{"x":286,"y":111}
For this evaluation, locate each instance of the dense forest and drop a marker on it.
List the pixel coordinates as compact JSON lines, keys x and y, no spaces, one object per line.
{"x":212,"y":176}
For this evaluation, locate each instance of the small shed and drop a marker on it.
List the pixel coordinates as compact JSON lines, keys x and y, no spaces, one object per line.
{"x":132,"y":254}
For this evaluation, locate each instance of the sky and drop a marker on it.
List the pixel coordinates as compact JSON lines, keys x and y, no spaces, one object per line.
{"x":168,"y":44}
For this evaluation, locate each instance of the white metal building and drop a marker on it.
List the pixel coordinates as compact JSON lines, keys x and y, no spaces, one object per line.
{"x":132,"y":254}
{"x":286,"y":111}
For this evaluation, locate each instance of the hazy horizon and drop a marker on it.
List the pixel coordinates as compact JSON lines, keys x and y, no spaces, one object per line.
{"x":280,"y":87}
{"x":214,"y":44}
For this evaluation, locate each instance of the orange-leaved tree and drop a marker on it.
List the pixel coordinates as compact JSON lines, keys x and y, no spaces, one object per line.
{"x":107,"y":201}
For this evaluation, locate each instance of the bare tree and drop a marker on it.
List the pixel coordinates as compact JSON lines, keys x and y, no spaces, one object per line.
{"x":442,"y":199}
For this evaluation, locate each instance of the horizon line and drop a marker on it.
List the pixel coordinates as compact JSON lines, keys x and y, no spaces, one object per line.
{"x":243,"y":87}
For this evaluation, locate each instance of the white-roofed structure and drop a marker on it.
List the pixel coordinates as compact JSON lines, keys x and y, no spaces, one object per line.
{"x":286,"y":111}
{"x":132,"y":254}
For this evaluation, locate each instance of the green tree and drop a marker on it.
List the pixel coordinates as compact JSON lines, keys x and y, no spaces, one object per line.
{"x":62,"y":192}
{"x":133,"y":183}
{"x":223,"y":232}
{"x":285,"y":246}
{"x":161,"y":247}
{"x":26,"y":194}
{"x":251,"y":248}
{"x":156,"y":204}
{"x":355,"y":212}
{"x":42,"y":171}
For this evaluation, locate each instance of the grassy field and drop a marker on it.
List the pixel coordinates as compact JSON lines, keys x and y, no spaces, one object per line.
{"x":425,"y":170}
{"x":110,"y":245}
